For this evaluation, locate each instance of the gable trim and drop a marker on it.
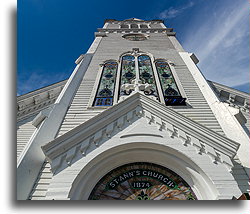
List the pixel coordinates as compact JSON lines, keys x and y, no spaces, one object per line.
{"x":78,"y":140}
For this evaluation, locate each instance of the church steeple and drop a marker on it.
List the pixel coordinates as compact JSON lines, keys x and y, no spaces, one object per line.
{"x":135,"y":120}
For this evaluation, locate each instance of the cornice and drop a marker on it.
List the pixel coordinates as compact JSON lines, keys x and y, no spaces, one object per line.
{"x":77,"y":141}
{"x":233,"y":97}
{"x":34,"y":110}
{"x":133,"y":20}
{"x":168,"y":31}
{"x":33,"y":102}
{"x":41,"y":90}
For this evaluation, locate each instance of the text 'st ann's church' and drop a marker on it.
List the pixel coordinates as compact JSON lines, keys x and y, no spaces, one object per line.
{"x":136,"y":120}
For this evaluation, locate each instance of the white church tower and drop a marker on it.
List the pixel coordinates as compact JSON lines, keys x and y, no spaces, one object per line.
{"x":136,"y":120}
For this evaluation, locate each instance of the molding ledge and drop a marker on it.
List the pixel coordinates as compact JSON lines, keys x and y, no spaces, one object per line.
{"x":168,"y":31}
{"x":233,"y":97}
{"x":35,"y":101}
{"x":64,"y":150}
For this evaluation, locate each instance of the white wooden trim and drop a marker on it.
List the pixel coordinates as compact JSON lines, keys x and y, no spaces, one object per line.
{"x":67,"y":146}
{"x":105,"y":25}
{"x":163,"y":25}
{"x":117,"y":82}
{"x":157,"y":80}
{"x":32,"y":159}
{"x":178,"y":82}
{"x":95,"y":87}
{"x":227,"y":121}
{"x":94,"y":45}
{"x":176,"y":43}
{"x":96,"y":84}
{"x":197,"y":170}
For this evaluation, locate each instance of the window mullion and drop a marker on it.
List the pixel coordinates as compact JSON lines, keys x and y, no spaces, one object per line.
{"x":157,"y":81}
{"x":137,"y":79}
{"x":117,"y":81}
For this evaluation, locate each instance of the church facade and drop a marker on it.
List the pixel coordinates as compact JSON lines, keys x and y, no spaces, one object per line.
{"x":136,"y":120}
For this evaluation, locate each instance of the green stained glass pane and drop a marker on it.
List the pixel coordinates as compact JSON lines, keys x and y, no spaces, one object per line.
{"x":146,"y":74}
{"x":170,"y":90}
{"x":128,"y":73}
{"x":106,"y":88}
{"x":168,"y":83}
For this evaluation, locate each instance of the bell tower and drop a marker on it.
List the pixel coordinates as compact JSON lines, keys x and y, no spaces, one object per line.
{"x":135,"y":114}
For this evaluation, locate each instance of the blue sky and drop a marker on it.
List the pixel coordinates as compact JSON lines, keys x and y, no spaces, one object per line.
{"x":53,"y":33}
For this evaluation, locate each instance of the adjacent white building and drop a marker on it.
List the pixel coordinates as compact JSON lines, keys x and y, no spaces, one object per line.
{"x":136,"y":120}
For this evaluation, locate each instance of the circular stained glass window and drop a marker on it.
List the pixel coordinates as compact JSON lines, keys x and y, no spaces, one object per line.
{"x":135,"y":37}
{"x":142,"y":181}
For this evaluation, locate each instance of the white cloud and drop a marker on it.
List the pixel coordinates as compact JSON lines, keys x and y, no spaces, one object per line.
{"x":173,"y":12}
{"x":222,"y":44}
{"x":228,"y":24}
{"x":38,"y":79}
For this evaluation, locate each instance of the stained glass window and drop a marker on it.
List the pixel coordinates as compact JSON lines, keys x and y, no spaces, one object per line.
{"x":146,"y":75}
{"x":128,"y":74}
{"x":142,"y":181}
{"x":170,"y":90}
{"x":106,"y":88}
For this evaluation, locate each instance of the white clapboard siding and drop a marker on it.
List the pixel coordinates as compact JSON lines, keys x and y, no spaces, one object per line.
{"x":41,"y":185}
{"x":199,"y":110}
{"x":240,"y":176}
{"x":161,"y":47}
{"x":24,"y":131}
{"x":246,"y":115}
{"x":78,"y":112}
{"x":224,"y":92}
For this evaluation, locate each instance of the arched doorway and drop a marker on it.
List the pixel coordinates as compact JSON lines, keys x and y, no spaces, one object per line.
{"x":142,"y":181}
{"x":164,"y":158}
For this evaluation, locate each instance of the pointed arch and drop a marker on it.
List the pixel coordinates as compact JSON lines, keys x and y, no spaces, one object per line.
{"x":139,"y":75}
{"x":105,"y":92}
{"x":193,"y":174}
{"x":146,"y":75}
{"x":170,"y":90}
{"x":127,"y":74}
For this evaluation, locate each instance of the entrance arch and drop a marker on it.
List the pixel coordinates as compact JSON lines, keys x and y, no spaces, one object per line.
{"x":142,"y":181}
{"x":180,"y":165}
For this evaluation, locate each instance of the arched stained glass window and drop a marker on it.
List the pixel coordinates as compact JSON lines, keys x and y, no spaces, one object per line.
{"x":170,"y":90}
{"x":142,"y":181}
{"x":146,"y":75}
{"x":137,"y":73}
{"x":106,"y":88}
{"x":128,"y":74}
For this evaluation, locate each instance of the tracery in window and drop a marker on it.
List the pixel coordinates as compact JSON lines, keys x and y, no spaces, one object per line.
{"x":146,"y":75}
{"x":138,"y":74}
{"x":106,"y":88}
{"x":135,"y":37}
{"x":170,"y":90}
{"x":128,"y":74}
